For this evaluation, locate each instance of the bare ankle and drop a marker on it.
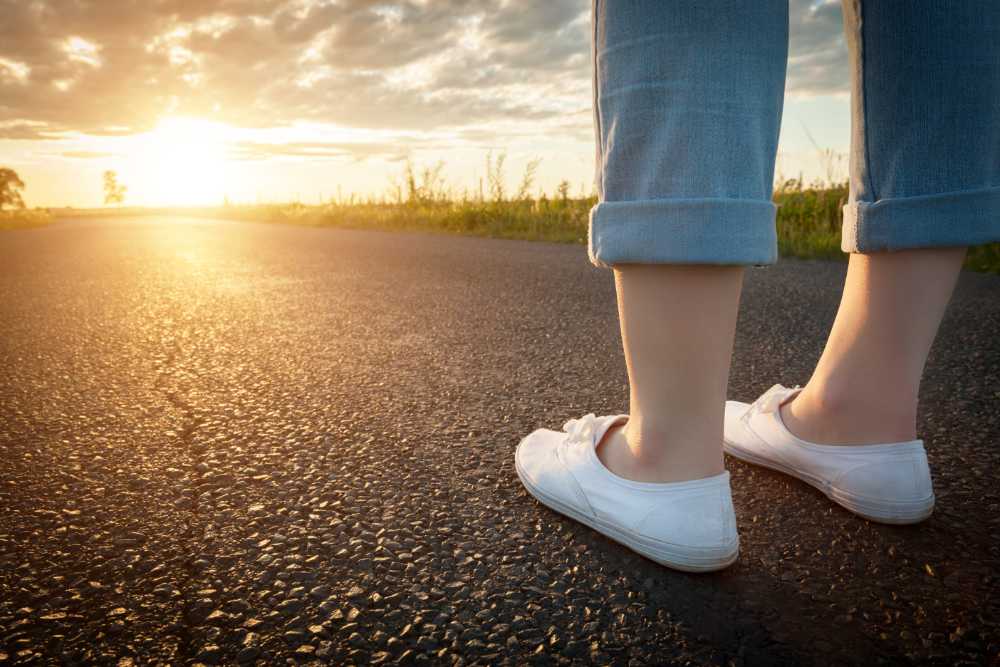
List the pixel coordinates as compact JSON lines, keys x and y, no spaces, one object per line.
{"x":645,"y":455}
{"x":842,"y":418}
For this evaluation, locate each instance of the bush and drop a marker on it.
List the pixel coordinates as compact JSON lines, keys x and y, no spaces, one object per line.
{"x":24,"y":218}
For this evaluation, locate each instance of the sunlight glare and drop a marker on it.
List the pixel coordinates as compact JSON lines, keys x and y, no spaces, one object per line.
{"x":185,"y":161}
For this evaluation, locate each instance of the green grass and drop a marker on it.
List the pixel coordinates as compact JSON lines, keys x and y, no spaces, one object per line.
{"x":984,"y":258}
{"x":808,"y":221}
{"x":538,"y":220}
{"x":24,"y":218}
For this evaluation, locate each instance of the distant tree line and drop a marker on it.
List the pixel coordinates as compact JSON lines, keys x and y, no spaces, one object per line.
{"x":114,"y":192}
{"x":11,"y":187}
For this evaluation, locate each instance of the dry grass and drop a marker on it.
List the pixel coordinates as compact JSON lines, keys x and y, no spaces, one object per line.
{"x":808,"y":221}
{"x":24,"y":218}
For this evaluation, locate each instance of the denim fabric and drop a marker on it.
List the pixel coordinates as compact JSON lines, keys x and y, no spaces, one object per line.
{"x":925,"y":130}
{"x":687,"y":108}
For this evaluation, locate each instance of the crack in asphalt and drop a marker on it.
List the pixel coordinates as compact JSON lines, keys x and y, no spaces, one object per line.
{"x":342,"y":407}
{"x":190,"y":536}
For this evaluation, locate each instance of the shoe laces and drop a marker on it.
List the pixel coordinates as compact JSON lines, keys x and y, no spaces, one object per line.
{"x":768,"y":401}
{"x":581,"y":431}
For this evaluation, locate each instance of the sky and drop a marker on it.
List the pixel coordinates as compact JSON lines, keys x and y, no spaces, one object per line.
{"x":197,"y":101}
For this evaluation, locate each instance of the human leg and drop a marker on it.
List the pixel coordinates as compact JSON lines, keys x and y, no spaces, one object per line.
{"x":687,"y":113}
{"x":865,"y":387}
{"x":925,"y":183}
{"x":677,"y":327}
{"x":688,"y":99}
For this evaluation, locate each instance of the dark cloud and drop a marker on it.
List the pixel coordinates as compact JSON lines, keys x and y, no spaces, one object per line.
{"x":817,"y":59}
{"x":117,"y":67}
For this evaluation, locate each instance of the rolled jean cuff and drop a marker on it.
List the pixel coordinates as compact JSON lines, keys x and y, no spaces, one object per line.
{"x":683,"y":231}
{"x":966,"y":218}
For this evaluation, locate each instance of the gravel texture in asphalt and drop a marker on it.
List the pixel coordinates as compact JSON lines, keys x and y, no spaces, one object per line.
{"x":227,"y":442}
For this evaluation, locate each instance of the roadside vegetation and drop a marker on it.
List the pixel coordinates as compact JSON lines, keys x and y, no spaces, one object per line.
{"x":114,"y":192}
{"x":808,"y":224}
{"x":13,"y":213}
{"x":808,"y":220}
{"x":24,"y":219}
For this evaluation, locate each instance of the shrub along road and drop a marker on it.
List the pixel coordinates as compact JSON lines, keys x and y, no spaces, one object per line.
{"x":235,"y":442}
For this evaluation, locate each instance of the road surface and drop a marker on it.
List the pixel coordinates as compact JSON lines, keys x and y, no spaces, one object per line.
{"x":227,"y":442}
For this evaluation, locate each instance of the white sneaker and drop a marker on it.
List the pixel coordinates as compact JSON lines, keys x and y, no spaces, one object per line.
{"x":689,"y":526}
{"x":889,"y":483}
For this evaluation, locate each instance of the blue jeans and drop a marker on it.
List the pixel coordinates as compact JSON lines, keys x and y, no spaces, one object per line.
{"x":687,"y":106}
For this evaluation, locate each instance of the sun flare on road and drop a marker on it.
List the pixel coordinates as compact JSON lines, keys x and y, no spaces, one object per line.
{"x":186,"y":161}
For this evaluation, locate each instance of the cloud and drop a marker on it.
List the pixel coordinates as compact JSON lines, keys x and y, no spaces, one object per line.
{"x":313,"y":150}
{"x":25,"y":130}
{"x":817,"y":59}
{"x":410,"y":65}
{"x":86,"y":155}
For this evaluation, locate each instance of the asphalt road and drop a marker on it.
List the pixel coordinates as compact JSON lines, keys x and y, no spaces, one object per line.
{"x":224,"y":442}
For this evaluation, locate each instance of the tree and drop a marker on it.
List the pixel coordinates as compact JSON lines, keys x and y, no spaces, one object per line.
{"x":10,"y":188}
{"x":114,"y":192}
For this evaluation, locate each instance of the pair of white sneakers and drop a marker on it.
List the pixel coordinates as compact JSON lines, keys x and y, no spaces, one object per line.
{"x":691,"y":525}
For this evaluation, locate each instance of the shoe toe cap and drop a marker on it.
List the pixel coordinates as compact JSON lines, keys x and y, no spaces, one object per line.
{"x":544,"y":473}
{"x":536,"y":459}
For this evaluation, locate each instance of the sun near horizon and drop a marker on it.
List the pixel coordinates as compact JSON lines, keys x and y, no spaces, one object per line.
{"x":184,"y":161}
{"x":308,"y":100}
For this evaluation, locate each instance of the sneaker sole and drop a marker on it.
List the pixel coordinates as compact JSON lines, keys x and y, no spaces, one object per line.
{"x":896,"y":513}
{"x":656,"y":551}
